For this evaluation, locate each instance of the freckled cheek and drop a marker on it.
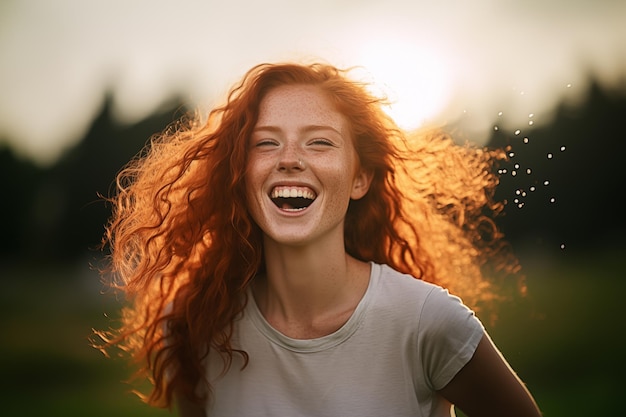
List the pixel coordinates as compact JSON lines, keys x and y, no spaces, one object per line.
{"x":256,"y":167}
{"x":253,"y":183}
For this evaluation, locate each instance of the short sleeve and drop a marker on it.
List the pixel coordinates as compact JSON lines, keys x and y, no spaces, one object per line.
{"x":449,"y":333}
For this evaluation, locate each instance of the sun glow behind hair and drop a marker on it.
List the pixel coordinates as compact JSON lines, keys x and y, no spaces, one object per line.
{"x":414,"y":79}
{"x":481,"y":63}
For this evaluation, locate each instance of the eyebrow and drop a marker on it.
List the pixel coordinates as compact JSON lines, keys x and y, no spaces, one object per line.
{"x":305,"y":129}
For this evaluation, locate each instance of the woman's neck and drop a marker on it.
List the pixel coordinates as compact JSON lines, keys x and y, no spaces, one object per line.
{"x":309,"y":291}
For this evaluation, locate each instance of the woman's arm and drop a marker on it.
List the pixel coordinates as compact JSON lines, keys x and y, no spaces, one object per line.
{"x":487,"y":387}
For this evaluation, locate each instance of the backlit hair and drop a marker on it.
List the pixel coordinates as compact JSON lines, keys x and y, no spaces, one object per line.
{"x":184,"y":248}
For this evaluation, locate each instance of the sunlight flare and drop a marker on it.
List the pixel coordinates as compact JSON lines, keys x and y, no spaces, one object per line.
{"x":414,"y":78}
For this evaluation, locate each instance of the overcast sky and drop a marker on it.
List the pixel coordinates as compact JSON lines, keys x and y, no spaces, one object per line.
{"x":490,"y":62}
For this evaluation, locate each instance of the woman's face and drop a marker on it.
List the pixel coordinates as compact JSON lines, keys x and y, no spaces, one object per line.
{"x":302,"y":167}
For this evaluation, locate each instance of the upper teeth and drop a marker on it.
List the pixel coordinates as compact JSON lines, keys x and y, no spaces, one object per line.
{"x":292,"y":192}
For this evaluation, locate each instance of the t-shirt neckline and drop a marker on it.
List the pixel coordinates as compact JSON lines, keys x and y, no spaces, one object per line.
{"x":322,"y":343}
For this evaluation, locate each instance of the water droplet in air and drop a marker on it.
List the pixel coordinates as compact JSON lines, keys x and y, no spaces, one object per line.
{"x":549,"y":155}
{"x":513,"y":173}
{"x":517,"y":132}
{"x":526,"y":140}
{"x":495,"y":128}
{"x":530,"y":123}
{"x":553,"y":200}
{"x":562,"y":148}
{"x":511,"y":154}
{"x":500,"y":113}
{"x":516,"y":166}
{"x":531,"y":115}
{"x":546,"y":182}
{"x":562,"y":245}
{"x":529,"y":171}
{"x":532,"y":188}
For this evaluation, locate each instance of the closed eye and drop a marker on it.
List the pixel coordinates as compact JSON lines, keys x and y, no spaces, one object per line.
{"x":322,"y":141}
{"x":265,"y":142}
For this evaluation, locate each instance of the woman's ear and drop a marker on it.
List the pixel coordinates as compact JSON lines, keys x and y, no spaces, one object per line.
{"x":361,"y":183}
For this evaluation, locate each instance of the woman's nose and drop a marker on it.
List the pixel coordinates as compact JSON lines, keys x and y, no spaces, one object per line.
{"x":290,"y":160}
{"x":291,"y":165}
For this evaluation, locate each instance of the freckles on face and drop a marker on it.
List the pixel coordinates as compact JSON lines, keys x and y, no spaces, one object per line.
{"x":302,"y":163}
{"x":298,"y":107}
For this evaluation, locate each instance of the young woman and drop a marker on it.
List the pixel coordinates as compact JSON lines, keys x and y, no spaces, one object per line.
{"x":288,"y":257}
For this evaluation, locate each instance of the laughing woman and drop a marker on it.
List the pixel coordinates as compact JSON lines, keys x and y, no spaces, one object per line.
{"x":295,"y":254}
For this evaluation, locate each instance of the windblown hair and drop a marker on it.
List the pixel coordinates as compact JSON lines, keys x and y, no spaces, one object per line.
{"x":184,"y":248}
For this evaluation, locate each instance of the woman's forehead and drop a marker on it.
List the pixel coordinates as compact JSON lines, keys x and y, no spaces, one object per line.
{"x":302,"y":104}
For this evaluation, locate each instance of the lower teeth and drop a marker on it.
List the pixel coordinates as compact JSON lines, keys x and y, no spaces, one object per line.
{"x":288,"y":207}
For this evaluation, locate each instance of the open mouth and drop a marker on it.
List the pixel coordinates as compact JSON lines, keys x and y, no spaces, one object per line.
{"x":292,"y":198}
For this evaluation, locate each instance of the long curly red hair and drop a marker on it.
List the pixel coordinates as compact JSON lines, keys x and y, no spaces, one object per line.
{"x":183,"y":246}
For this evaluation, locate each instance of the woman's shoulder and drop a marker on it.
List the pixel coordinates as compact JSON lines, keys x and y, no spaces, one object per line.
{"x":434,"y":311}
{"x":401,"y":283}
{"x":405,"y":290}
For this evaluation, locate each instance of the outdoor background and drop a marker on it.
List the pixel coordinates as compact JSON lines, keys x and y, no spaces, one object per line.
{"x":59,"y":150}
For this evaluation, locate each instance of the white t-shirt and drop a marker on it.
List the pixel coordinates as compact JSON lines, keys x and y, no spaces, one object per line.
{"x":405,"y":340}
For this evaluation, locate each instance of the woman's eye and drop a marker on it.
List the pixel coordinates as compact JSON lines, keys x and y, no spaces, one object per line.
{"x":322,"y":141}
{"x":266,"y":142}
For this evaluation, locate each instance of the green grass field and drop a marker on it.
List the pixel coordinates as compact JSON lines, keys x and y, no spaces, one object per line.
{"x":565,"y":340}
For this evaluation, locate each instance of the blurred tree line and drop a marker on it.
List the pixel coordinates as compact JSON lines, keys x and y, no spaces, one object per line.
{"x":56,"y":214}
